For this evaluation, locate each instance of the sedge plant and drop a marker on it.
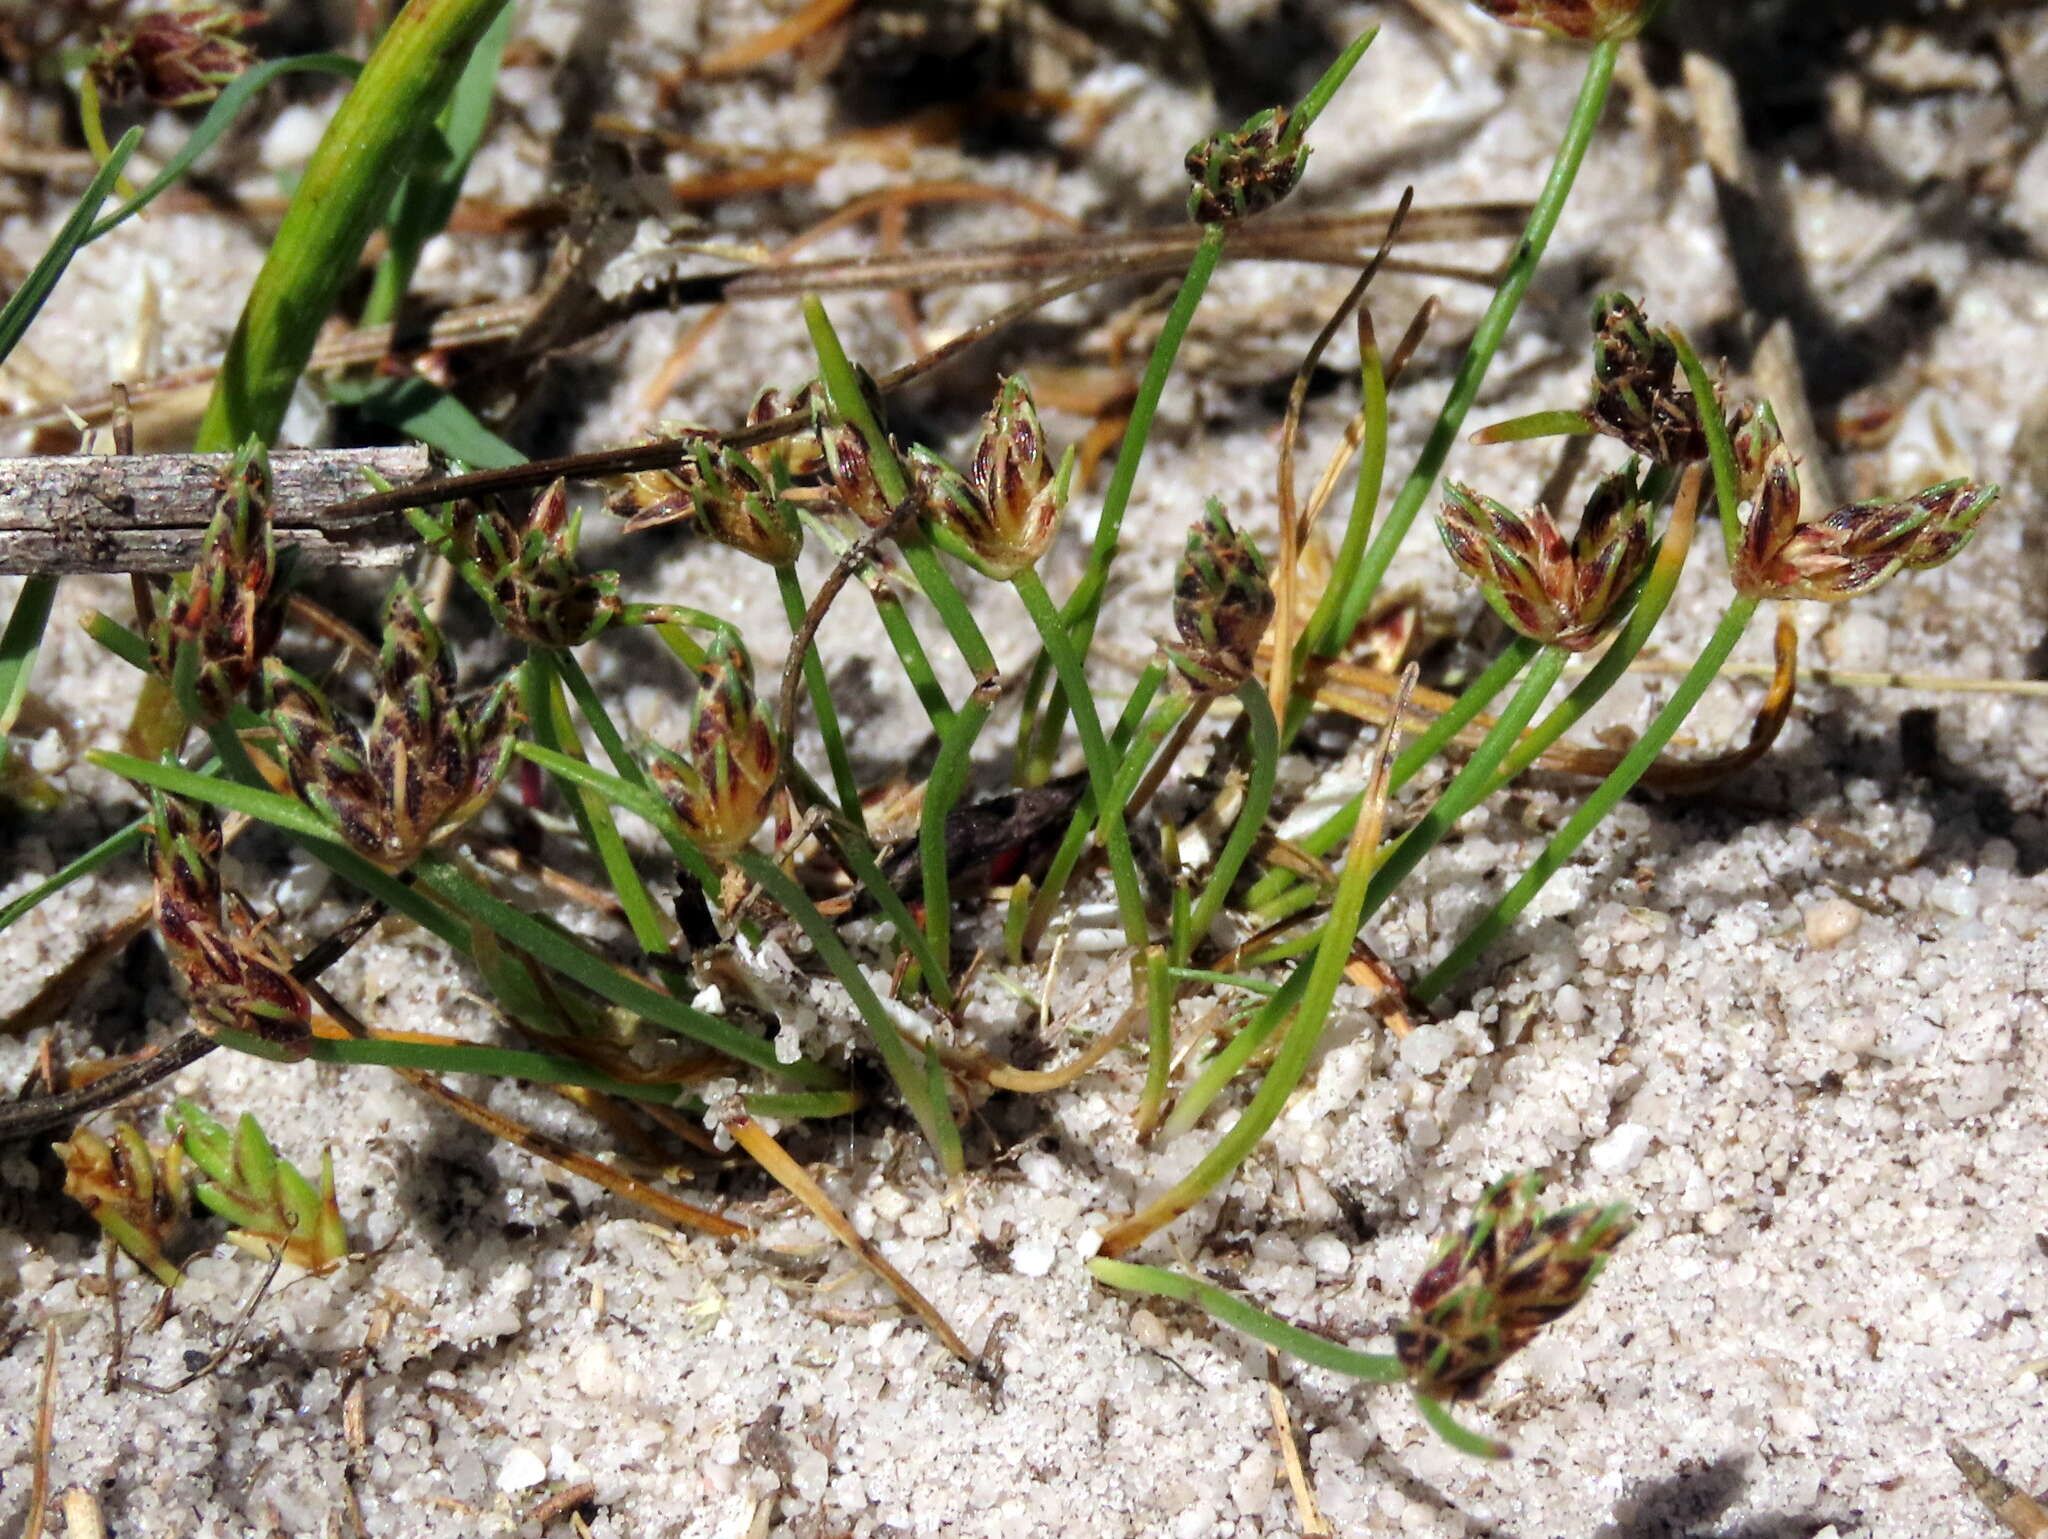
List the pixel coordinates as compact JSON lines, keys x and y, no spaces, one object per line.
{"x":389,"y":770}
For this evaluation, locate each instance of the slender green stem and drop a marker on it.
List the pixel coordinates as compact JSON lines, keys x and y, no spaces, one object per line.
{"x":629,"y":768}
{"x":346,"y":191}
{"x":547,"y":712}
{"x":943,"y":789}
{"x":902,"y":1064}
{"x":1223,"y":980}
{"x":1446,"y":1426}
{"x":1102,"y":765}
{"x":1335,"y":829}
{"x":28,"y":299}
{"x":101,"y":854}
{"x":478,"y":1058}
{"x":553,"y":949}
{"x":820,"y":691}
{"x":1148,"y":962}
{"x":1251,"y":818}
{"x":1039,"y":733}
{"x":1227,"y":1063}
{"x":842,"y":387}
{"x":1361,"y":584}
{"x":1720,"y":450}
{"x":1605,"y":798}
{"x":1133,"y":758}
{"x":1159,"y":1282}
{"x":917,"y":667}
{"x":646,"y":803}
{"x":1319,"y":637}
{"x":1308,"y":993}
{"x":1470,"y":784}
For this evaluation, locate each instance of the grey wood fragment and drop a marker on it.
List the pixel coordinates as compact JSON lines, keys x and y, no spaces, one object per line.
{"x":147,"y":512}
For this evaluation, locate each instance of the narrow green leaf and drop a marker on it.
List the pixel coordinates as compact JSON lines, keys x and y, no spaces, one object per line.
{"x":26,"y":301}
{"x":219,"y":117}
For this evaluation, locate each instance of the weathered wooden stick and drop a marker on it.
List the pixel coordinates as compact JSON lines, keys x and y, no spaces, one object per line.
{"x":146,"y":512}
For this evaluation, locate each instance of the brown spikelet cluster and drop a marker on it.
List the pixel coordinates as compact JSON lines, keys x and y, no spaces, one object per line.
{"x":429,"y":761}
{"x":1222,"y":604}
{"x":222,"y":618}
{"x":1005,"y":511}
{"x":1245,"y":170}
{"x":539,"y":592}
{"x":1640,"y":395}
{"x":1562,"y":593}
{"x":720,"y":784}
{"x":1850,"y":552}
{"x":177,"y":57}
{"x":231,"y":974}
{"x":1511,"y":1272}
{"x":134,"y":1192}
{"x":736,"y":496}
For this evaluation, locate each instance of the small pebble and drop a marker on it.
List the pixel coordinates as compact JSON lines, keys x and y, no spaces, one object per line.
{"x":521,"y":1471}
{"x":1031,"y":1258}
{"x":1148,"y":1330}
{"x":1327,"y":1254}
{"x":1621,"y":1150}
{"x":1830,"y":922}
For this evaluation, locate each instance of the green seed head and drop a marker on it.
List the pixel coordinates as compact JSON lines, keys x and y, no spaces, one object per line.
{"x":1511,"y":1272}
{"x":1222,"y":604}
{"x":1246,"y":170}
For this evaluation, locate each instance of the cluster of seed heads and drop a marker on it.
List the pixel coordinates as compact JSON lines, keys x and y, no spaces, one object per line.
{"x":1568,"y":594}
{"x":429,"y":761}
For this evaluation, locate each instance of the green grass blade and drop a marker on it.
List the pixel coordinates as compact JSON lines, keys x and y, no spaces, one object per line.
{"x":427,"y":200}
{"x":344,"y":195}
{"x":1159,"y":1282}
{"x":219,"y":118}
{"x":107,"y":850}
{"x":26,"y":301}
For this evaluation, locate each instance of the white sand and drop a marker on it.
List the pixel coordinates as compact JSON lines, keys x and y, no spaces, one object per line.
{"x":1799,"y":1027}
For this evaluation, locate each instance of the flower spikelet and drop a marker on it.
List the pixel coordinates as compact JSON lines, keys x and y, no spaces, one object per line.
{"x":272,"y":1206}
{"x":539,"y":592}
{"x":1222,"y":604}
{"x":1638,"y":395}
{"x":229,"y":608}
{"x":1246,"y":170}
{"x":231,"y":975}
{"x":1511,"y":1272}
{"x":720,"y":786}
{"x":178,"y":57}
{"x":1854,"y":550}
{"x":135,"y":1193}
{"x":428,"y":763}
{"x":1559,"y":593}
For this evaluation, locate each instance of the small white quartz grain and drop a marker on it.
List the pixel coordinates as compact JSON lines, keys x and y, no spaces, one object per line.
{"x":1327,"y":1254}
{"x":1830,"y":922}
{"x":521,"y":1471}
{"x":1032,"y":1258}
{"x":1621,"y":1150}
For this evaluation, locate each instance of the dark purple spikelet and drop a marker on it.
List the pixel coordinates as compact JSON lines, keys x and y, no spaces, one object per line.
{"x":1513,"y":1270}
{"x":1222,"y":603}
